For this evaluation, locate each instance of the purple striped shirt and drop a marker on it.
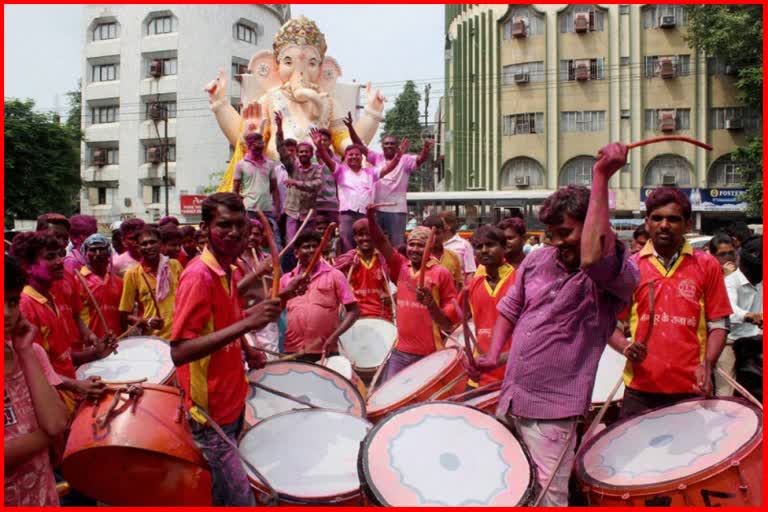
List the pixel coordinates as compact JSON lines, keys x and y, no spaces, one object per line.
{"x":562,"y":321}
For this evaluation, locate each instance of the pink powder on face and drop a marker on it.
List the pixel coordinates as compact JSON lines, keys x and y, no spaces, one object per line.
{"x":39,"y":272}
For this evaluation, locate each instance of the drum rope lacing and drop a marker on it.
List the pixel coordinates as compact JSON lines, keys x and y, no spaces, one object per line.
{"x":132,"y":390}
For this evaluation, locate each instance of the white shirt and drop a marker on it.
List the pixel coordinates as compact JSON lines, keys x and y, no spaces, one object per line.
{"x":393,"y":187}
{"x":464,"y":251}
{"x":745,"y":298}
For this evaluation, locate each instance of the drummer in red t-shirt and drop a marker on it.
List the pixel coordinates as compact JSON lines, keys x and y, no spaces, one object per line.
{"x":367,"y":273}
{"x":415,"y":337}
{"x":690,"y":307}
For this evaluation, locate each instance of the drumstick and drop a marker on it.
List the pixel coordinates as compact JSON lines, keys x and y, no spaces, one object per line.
{"x":319,"y":250}
{"x":381,"y":367}
{"x":293,"y":356}
{"x":123,"y":382}
{"x":448,"y":386}
{"x":310,"y":213}
{"x":273,"y":253}
{"x":152,"y":294}
{"x":425,"y":257}
{"x":557,"y":466}
{"x":466,"y":395}
{"x":741,"y":389}
{"x":285,"y":395}
{"x":263,"y":278}
{"x":670,"y":138}
{"x":467,"y":331}
{"x":129,"y":330}
{"x":93,"y":301}
{"x":602,"y":410}
{"x":267,"y":351}
{"x":9,"y":244}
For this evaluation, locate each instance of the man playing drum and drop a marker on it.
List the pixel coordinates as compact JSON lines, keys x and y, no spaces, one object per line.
{"x":672,"y":356}
{"x":206,"y":346}
{"x":416,"y":338}
{"x":562,"y":309}
{"x":367,"y":273}
{"x":106,"y":287}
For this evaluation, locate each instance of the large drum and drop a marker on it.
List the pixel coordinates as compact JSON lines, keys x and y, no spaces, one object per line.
{"x":138,"y":453}
{"x":137,"y":357}
{"x":487,"y":402}
{"x":436,"y":376}
{"x":457,"y":337}
{"x":309,"y":382}
{"x":609,"y":369}
{"x":309,"y":456}
{"x":367,"y":344}
{"x":343,"y":366}
{"x":444,"y":454}
{"x":699,"y":452}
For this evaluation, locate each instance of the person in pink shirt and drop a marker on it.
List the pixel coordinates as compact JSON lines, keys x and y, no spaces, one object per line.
{"x":313,"y":318}
{"x":129,"y":234}
{"x":80,"y":228}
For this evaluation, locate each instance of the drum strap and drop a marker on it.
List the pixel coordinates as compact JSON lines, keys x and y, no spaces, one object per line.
{"x":274,"y":498}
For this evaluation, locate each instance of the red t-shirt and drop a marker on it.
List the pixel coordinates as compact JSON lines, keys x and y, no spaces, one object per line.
{"x":686,"y":298}
{"x":66,"y":292}
{"x":416,"y":332}
{"x":369,"y":282}
{"x":207,"y":301}
{"x":53,"y":336}
{"x":107,"y":292}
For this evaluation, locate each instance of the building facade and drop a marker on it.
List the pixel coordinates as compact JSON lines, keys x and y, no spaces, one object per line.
{"x":533,"y":91}
{"x":143,"y":103}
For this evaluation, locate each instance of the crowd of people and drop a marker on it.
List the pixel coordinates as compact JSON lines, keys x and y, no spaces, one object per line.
{"x":547,"y":309}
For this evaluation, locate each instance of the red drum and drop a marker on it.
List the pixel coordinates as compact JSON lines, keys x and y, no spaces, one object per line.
{"x":137,"y":357}
{"x":141,"y":455}
{"x":309,"y":382}
{"x":367,"y":344}
{"x":486,"y":402}
{"x":444,"y":454}
{"x":436,"y":376}
{"x":343,"y":366}
{"x":699,"y":452}
{"x":457,"y":337}
{"x":308,"y":456}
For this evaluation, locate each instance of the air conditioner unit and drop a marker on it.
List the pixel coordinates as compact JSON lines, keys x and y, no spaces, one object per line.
{"x":157,"y":111}
{"x":582,"y":69}
{"x":99,"y":157}
{"x":241,"y":70}
{"x":154,"y":155}
{"x":522,"y":181}
{"x":581,"y":22}
{"x":667,"y":21}
{"x":734,"y":124}
{"x":522,"y":78}
{"x":666,"y":68}
{"x":519,"y":28}
{"x":667,"y":120}
{"x":156,"y":68}
{"x":669,"y":180}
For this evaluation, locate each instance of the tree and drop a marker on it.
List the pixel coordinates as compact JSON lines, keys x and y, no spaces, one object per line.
{"x":403,"y":120}
{"x":42,"y":163}
{"x":734,"y":35}
{"x":75,"y":113}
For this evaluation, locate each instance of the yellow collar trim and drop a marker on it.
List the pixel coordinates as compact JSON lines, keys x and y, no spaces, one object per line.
{"x":369,"y":265}
{"x":28,"y":290}
{"x":211,"y":262}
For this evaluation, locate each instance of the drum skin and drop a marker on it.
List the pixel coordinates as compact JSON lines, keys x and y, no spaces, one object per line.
{"x":735,"y":481}
{"x":343,"y":366}
{"x":143,"y":457}
{"x":432,"y":385}
{"x":354,"y":341}
{"x":137,"y":357}
{"x":486,"y":402}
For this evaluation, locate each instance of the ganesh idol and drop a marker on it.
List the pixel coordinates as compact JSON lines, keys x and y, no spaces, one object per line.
{"x":298,"y":80}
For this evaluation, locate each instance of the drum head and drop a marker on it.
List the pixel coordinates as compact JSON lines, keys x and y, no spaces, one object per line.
{"x":137,"y":357}
{"x":669,"y":443}
{"x":339,"y":364}
{"x":445,"y":454}
{"x":312,"y":383}
{"x":413,"y":378}
{"x":609,"y":369}
{"x":368,"y":341}
{"x":459,"y":335}
{"x":307,"y":455}
{"x":484,"y":399}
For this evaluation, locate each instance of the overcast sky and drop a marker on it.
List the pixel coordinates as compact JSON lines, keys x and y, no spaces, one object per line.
{"x":386,"y":44}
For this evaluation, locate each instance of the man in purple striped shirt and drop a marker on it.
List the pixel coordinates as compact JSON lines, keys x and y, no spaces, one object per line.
{"x":560,"y":312}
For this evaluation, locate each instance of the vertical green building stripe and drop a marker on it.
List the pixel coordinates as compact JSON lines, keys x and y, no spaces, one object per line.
{"x":483,"y":99}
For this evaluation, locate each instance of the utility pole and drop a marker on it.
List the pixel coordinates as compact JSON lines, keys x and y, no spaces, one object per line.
{"x":165,"y":156}
{"x":425,"y":170}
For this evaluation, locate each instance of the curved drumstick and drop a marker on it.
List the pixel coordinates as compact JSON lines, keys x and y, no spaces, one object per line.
{"x":310,"y":213}
{"x":152,"y":294}
{"x":467,"y":331}
{"x":263,"y":278}
{"x":93,"y":301}
{"x":319,"y":250}
{"x":425,"y":257}
{"x":681,"y":138}
{"x":272,"y":252}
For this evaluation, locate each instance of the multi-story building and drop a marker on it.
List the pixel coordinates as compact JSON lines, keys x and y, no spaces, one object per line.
{"x":144,"y":69}
{"x":533,"y":91}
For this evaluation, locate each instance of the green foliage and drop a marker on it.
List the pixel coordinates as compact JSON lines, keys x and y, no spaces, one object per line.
{"x":42,"y":163}
{"x":750,"y":159}
{"x":75,"y":113}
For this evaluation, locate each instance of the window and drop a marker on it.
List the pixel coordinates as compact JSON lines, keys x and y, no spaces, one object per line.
{"x":112,"y":155}
{"x":171,"y":151}
{"x":588,"y":121}
{"x":568,"y":69}
{"x":681,"y":65}
{"x":577,"y":171}
{"x":522,"y":124}
{"x":161,"y":25}
{"x":717,"y":66}
{"x":652,"y":15}
{"x":594,"y":16}
{"x":100,"y":115}
{"x":169,"y":66}
{"x":682,"y":118}
{"x":102,"y":195}
{"x":534,"y":23}
{"x":624,"y":61}
{"x":725,"y":172}
{"x":625,"y":114}
{"x":245,"y":33}
{"x":516,"y":170}
{"x":104,"y":31}
{"x":525,"y":72}
{"x":155,"y":194}
{"x":170,"y":106}
{"x":668,"y":165}
{"x":105,"y":72}
{"x":749,"y":118}
{"x":623,"y":9}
